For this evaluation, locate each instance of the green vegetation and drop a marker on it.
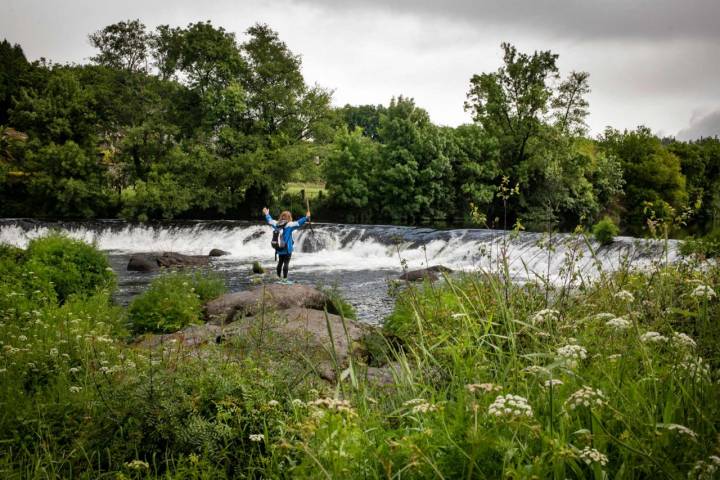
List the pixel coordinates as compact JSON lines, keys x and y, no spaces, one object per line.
{"x":616,"y":379}
{"x":605,"y":231}
{"x":194,"y":122}
{"x":173,"y":301}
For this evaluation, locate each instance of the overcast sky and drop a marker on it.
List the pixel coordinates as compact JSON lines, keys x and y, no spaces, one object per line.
{"x":651,"y":62}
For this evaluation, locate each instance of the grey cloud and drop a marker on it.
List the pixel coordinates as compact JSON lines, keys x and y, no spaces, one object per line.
{"x":581,"y":19}
{"x":702,"y":126}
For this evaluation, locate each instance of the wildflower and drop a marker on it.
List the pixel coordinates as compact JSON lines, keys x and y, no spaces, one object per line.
{"x":618,"y":323}
{"x":74,"y":370}
{"x":297,"y":402}
{"x":536,"y":370}
{"x":273,"y":403}
{"x":572,"y":353}
{"x":614,"y":357}
{"x":485,"y":387}
{"x":545,"y":315}
{"x":257,"y":437}
{"x":625,"y":296}
{"x":681,"y":429}
{"x":458,"y":315}
{"x":511,"y":407}
{"x":604,"y":316}
{"x":704,"y":291}
{"x":424,"y":407}
{"x":75,"y":389}
{"x":590,"y":455}
{"x":333,"y":404}
{"x":553,"y":382}
{"x":693,"y":368}
{"x":653,"y":337}
{"x":683,"y":340}
{"x":585,"y":397}
{"x":137,"y":465}
{"x":22,"y":338}
{"x":705,"y":470}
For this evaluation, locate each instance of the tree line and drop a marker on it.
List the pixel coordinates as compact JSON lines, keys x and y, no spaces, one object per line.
{"x":192,"y":122}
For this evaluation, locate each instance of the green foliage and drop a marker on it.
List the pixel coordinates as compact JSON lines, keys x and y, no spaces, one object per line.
{"x":707,"y":246}
{"x":72,"y":266}
{"x":173,"y":301}
{"x":605,"y":231}
{"x":337,"y":303}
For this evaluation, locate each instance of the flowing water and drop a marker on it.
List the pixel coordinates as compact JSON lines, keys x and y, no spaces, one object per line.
{"x":360,"y":260}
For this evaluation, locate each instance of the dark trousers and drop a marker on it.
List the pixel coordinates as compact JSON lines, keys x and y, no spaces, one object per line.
{"x":283,"y":264}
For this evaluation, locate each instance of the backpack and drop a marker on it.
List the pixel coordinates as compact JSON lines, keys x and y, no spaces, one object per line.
{"x":278,"y":237}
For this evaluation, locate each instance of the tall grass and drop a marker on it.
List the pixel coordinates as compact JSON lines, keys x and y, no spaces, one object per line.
{"x":610,"y":378}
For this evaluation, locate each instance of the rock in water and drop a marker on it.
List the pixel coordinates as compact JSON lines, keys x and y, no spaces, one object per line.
{"x":150,"y":262}
{"x":257,"y":268}
{"x":216,"y":252}
{"x":430,"y":273}
{"x":172,"y":259}
{"x":141,"y":262}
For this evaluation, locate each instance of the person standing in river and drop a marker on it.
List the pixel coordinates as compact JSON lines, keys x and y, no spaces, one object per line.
{"x":283,"y":229}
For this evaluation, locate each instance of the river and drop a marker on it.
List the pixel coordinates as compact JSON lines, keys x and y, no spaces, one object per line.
{"x":360,"y":260}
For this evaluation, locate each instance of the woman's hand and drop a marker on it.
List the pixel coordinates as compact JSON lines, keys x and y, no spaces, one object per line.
{"x":265,"y":211}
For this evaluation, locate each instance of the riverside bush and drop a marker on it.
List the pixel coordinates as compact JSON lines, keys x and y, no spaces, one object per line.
{"x":173,"y":301}
{"x":605,"y":231}
{"x":73,"y":266}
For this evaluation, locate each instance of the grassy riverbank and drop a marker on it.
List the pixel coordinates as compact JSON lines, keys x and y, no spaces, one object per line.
{"x":616,"y":379}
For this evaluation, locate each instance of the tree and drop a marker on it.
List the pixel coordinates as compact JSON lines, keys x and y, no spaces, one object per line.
{"x":367,"y":117}
{"x":510,"y":103}
{"x":570,"y":104}
{"x":651,"y":172}
{"x":13,"y":70}
{"x":122,"y":45}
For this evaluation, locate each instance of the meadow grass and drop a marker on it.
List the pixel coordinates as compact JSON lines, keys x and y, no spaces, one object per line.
{"x":312,"y":190}
{"x":611,"y":378}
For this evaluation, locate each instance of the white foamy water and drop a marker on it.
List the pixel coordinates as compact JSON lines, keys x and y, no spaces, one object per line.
{"x":359,"y":259}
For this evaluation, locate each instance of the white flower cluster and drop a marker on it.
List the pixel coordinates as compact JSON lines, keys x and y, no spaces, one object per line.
{"x":572,"y":353}
{"x":625,"y":296}
{"x":553,"y":382}
{"x":653,"y":337}
{"x":705,"y":470}
{"x":590,"y":455}
{"x":257,"y":437}
{"x":546,"y":315}
{"x":704,"y":291}
{"x":618,"y":323}
{"x":332,"y":404}
{"x":586,"y":397}
{"x":683,"y":340}
{"x":420,"y":405}
{"x":603,"y":316}
{"x":512,"y":407}
{"x":536,"y":370}
{"x":137,"y":465}
{"x":681,"y":429}
{"x":273,"y":403}
{"x":694,"y":368}
{"x":485,"y":387}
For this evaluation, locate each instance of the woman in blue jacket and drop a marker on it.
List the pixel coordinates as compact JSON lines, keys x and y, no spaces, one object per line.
{"x":286,"y":226}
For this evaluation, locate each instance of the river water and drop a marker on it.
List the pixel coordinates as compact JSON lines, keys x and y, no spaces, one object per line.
{"x":360,"y":260}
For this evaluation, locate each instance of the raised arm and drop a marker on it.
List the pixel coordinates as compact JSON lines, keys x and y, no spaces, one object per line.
{"x":268,"y":217}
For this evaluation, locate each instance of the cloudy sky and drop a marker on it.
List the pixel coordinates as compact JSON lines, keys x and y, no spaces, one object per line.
{"x":651,"y":62}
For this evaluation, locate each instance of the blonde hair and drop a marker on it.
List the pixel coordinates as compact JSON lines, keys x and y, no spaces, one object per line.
{"x":286,"y":216}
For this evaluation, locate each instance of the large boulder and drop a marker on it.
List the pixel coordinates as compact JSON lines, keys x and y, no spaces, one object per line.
{"x":149,"y":262}
{"x":318,"y":335}
{"x":142,"y":262}
{"x":228,"y":307}
{"x":216,"y":252}
{"x":429,"y":273}
{"x":190,"y":336}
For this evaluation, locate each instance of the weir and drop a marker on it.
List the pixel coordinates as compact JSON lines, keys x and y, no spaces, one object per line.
{"x":357,"y":259}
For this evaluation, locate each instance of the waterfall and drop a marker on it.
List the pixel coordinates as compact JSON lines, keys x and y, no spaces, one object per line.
{"x":360,"y":247}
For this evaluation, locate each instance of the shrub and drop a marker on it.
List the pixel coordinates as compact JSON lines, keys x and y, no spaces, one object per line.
{"x":605,"y":231}
{"x":707,"y":246}
{"x":173,"y":301}
{"x":74,"y":267}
